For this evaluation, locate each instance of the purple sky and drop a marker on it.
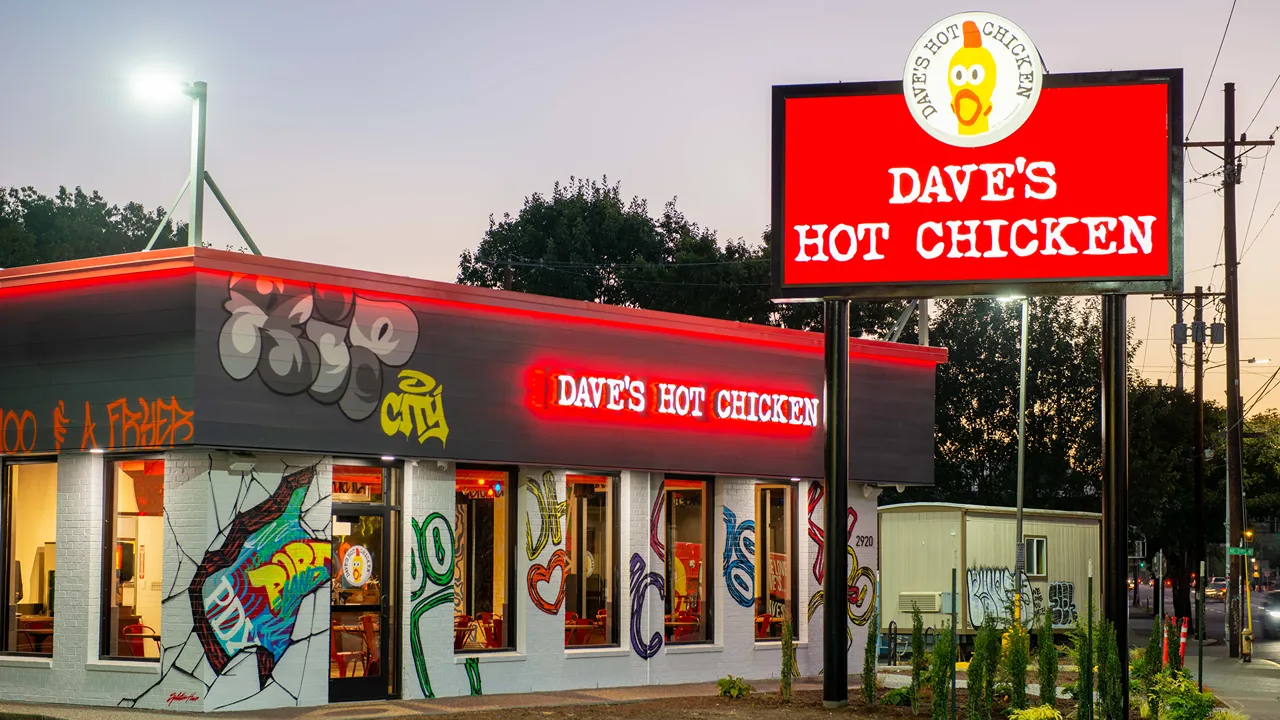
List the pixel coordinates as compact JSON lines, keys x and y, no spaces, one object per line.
{"x":383,"y":139}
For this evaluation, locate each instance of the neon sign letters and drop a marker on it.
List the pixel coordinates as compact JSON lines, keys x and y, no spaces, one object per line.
{"x":626,"y":396}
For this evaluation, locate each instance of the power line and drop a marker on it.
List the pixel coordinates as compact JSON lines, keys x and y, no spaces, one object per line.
{"x":1250,"y":243}
{"x":1257,"y":191}
{"x":1212,"y":69}
{"x":1264,"y":103}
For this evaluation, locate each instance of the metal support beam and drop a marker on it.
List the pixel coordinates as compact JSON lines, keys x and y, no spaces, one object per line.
{"x":156,"y":235}
{"x":226,"y":207}
{"x":1115,"y":479}
{"x":835,"y":621}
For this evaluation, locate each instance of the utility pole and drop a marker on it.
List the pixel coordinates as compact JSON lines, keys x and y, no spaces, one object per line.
{"x":1197,"y":334}
{"x":1235,"y":444}
{"x":1179,"y":361}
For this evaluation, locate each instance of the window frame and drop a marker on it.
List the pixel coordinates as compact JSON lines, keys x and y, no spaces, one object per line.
{"x":791,"y":495}
{"x":108,"y":545}
{"x":512,"y":610}
{"x":6,"y":517}
{"x":1029,"y":542}
{"x":615,"y":491}
{"x":708,"y":532}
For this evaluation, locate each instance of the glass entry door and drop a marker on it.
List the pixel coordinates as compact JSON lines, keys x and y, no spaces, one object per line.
{"x":362,"y":658}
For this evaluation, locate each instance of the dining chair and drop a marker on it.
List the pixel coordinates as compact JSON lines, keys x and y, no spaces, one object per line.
{"x":372,"y":645}
{"x":337,"y":654}
{"x":135,"y":642}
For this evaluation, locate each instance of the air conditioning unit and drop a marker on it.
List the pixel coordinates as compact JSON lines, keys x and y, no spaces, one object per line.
{"x":928,"y":602}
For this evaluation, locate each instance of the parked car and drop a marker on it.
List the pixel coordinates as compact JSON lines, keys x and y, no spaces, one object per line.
{"x":1271,"y":616}
{"x":1216,"y":590}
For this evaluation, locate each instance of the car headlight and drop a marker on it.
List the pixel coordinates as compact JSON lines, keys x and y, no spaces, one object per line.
{"x":1274,"y":613}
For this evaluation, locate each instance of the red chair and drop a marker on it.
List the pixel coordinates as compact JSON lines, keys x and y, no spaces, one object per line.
{"x":338,"y":656}
{"x":493,"y":629}
{"x":134,"y":642}
{"x":461,"y":627}
{"x":372,"y":645}
{"x":602,"y":624}
{"x":33,"y":642}
{"x":685,"y":631}
{"x":762,"y":625}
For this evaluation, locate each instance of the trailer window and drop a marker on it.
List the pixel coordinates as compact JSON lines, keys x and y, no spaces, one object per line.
{"x":1037,"y":556}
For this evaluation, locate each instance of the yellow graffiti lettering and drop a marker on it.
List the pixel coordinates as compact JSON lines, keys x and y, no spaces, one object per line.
{"x":287,"y":563}
{"x":417,"y":408}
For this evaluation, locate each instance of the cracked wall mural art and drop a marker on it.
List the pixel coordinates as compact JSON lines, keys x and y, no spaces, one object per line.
{"x":861,"y":599}
{"x":255,"y":597}
{"x":434,"y":556}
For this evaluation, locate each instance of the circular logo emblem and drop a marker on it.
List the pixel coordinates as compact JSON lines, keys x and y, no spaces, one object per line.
{"x":357,"y":566}
{"x":972,"y":79}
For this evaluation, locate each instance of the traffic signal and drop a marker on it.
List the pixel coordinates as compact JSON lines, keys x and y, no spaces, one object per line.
{"x":1248,"y":535}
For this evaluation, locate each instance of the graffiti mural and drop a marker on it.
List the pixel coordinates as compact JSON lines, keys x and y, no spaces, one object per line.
{"x":1062,"y":604}
{"x":539,"y":574}
{"x":739,"y":552}
{"x":433,"y":551}
{"x":551,"y":510}
{"x":327,"y":342}
{"x":418,"y":409}
{"x":992,"y":594}
{"x":255,"y":595}
{"x":655,"y":524}
{"x":246,"y":594}
{"x":861,"y":598}
{"x":473,"y":675}
{"x":641,"y":582}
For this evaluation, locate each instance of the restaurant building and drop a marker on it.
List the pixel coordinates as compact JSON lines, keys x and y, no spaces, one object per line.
{"x":232,"y":482}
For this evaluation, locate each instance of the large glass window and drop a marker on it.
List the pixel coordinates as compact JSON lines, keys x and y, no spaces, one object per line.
{"x":590,"y":614}
{"x":774,"y":560}
{"x":688,"y":537}
{"x":30,"y":534}
{"x":484,"y":528}
{"x":133,"y":575}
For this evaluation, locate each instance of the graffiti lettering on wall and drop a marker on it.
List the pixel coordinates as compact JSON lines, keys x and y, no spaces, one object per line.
{"x":417,"y":408}
{"x":434,"y":551}
{"x":992,"y":593}
{"x":268,"y":542}
{"x":1062,"y":604}
{"x":655,"y":524}
{"x":543,"y":574}
{"x":550,"y":509}
{"x":155,"y":423}
{"x":641,"y":582}
{"x":335,"y":346}
{"x":473,"y":675}
{"x":739,"y":549}
{"x":861,"y":598}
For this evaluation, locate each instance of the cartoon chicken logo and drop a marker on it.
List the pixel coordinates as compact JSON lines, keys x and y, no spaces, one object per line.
{"x":972,"y":79}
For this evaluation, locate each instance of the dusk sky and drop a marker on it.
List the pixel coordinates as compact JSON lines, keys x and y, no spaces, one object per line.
{"x":382,"y":136}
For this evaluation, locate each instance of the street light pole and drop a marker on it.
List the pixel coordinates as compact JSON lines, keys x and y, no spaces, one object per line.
{"x":1022,"y":436}
{"x":199,"y":92}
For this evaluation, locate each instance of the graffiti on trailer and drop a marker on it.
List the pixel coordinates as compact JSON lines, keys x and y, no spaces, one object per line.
{"x":551,"y":510}
{"x":992,"y":592}
{"x":155,"y":423}
{"x":739,"y":549}
{"x":246,"y":595}
{"x":434,"y":551}
{"x":1062,"y":603}
{"x":641,"y":582}
{"x":861,"y":598}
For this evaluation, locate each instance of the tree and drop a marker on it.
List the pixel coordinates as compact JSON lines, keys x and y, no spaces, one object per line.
{"x":586,"y":242}
{"x":72,"y":224}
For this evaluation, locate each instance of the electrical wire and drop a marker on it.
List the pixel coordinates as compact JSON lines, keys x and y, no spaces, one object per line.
{"x":1249,"y":243}
{"x":1264,"y":103}
{"x":1212,"y":69}
{"x":1257,"y":191}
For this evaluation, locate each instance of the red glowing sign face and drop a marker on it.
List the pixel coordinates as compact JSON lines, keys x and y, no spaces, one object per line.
{"x":662,"y":402}
{"x":1085,"y":197}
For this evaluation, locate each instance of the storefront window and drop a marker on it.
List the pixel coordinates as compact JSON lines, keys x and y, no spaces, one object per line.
{"x":773,"y":560}
{"x":134,"y":571}
{"x":590,"y":616}
{"x":483,"y":525}
{"x":688,"y":536}
{"x":30,"y":531}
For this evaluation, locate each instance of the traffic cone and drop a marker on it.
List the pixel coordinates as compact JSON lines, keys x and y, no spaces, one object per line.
{"x":1182,"y":641}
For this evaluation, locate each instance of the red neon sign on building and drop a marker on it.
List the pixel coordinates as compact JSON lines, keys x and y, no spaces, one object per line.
{"x":650,"y":401}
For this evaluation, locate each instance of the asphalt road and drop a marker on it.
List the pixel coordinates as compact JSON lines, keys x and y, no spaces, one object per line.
{"x":1215,"y":622}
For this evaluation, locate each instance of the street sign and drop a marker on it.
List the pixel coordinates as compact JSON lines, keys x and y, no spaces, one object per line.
{"x":1247,"y":552}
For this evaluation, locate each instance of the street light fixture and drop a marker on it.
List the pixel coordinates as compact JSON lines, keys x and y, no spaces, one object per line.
{"x":156,"y":87}
{"x":1022,"y":448}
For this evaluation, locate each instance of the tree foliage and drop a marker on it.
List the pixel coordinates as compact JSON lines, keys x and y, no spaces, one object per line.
{"x":72,"y":224}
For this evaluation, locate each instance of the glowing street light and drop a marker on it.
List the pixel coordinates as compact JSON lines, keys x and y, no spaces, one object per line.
{"x":159,"y":87}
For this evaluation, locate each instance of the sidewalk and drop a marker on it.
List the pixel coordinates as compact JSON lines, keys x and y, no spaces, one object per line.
{"x":388,"y":709}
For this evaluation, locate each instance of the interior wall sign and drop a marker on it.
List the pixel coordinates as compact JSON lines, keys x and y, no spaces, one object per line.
{"x":978,"y":174}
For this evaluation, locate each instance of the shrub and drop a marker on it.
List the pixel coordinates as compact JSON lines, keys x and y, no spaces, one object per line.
{"x":734,"y":687}
{"x":1180,"y":699}
{"x":943,"y":664}
{"x":1016,"y":661}
{"x":789,"y":671}
{"x":1048,"y":664}
{"x":917,"y":656}
{"x":1082,"y":652}
{"x":869,"y":659}
{"x":1152,"y":663}
{"x":1110,"y":690}
{"x":1044,"y":712}
{"x":897,"y":696}
{"x":1172,"y":637}
{"x":982,"y":670}
{"x":1225,"y":714}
